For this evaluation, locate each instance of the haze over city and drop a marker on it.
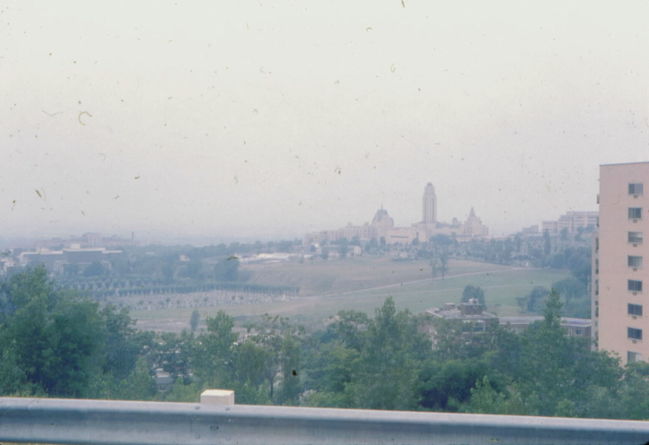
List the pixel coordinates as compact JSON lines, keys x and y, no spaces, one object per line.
{"x":271,"y":119}
{"x":426,"y":222}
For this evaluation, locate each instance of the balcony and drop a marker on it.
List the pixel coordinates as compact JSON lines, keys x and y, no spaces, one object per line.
{"x":67,"y":421}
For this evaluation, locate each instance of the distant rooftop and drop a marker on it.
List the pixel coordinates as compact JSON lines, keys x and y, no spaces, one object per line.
{"x":470,"y":310}
{"x":624,"y":163}
{"x":529,"y":319}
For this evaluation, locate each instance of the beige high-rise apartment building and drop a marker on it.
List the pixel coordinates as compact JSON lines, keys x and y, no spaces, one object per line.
{"x":620,"y":290}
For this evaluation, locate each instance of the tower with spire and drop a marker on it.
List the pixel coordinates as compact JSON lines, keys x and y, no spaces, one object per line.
{"x":430,"y":205}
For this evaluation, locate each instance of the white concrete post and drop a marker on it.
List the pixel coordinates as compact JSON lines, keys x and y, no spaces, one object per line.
{"x":218,"y":397}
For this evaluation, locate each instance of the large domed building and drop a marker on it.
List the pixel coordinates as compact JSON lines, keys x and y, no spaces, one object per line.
{"x":382,"y":227}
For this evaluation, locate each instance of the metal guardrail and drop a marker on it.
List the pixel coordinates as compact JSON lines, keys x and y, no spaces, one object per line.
{"x":69,"y":421}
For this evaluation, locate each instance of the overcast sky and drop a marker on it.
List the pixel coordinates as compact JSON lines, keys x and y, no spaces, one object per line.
{"x":271,"y":118}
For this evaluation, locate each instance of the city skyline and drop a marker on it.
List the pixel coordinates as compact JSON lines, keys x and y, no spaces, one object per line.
{"x":383,"y":229}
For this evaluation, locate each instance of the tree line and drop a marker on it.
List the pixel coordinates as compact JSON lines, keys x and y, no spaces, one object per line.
{"x":55,"y":343}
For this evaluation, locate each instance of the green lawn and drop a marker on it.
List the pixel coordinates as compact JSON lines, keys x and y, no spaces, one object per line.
{"x":319,"y":277}
{"x":501,"y":289}
{"x":363,"y":284}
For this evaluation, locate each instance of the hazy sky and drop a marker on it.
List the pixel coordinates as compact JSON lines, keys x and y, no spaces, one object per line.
{"x":271,"y":118}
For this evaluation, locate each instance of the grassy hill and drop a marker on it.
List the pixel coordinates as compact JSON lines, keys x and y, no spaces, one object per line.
{"x":363,"y":284}
{"x":329,"y":277}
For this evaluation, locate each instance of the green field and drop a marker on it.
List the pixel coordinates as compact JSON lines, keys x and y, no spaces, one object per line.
{"x":363,"y":284}
{"x":329,"y":277}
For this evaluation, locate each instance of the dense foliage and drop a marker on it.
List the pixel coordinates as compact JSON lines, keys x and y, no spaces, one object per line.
{"x":57,"y":344}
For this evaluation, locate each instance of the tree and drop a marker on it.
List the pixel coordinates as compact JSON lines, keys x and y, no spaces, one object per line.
{"x":446,"y":385}
{"x":251,"y":361}
{"x":557,"y":374}
{"x":575,"y":297}
{"x":122,"y":343}
{"x":139,"y":385}
{"x":281,"y":341}
{"x":486,"y":399}
{"x":343,"y":247}
{"x":632,"y":401}
{"x":570,"y":289}
{"x":439,"y":260}
{"x":51,"y":341}
{"x":564,"y":234}
{"x":173,"y":353}
{"x":434,"y":267}
{"x":534,"y":301}
{"x":94,"y":269}
{"x":443,"y":263}
{"x":474,"y":292}
{"x":349,"y":328}
{"x":576,"y":259}
{"x":547,"y":244}
{"x":227,"y":269}
{"x":330,"y":367}
{"x":213,"y":355}
{"x":194,"y":320}
{"x":60,"y":344}
{"x":192,"y":270}
{"x":389,"y":362}
{"x":290,"y":368}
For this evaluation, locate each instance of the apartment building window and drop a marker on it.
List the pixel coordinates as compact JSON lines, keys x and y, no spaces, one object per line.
{"x":635,"y":212}
{"x":634,"y":334}
{"x":635,"y":237}
{"x":634,"y":309}
{"x":634,"y":285}
{"x":634,"y":261}
{"x":635,"y":188}
{"x":633,"y":357}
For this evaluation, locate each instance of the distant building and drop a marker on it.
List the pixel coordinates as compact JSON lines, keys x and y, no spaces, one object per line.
{"x":402,"y":235}
{"x":620,"y":278}
{"x":473,"y":227}
{"x":476,"y":319}
{"x":571,"y":223}
{"x":163,"y":380}
{"x":430,"y":205}
{"x":530,"y":231}
{"x":52,"y":260}
{"x":471,"y":313}
{"x":575,"y":327}
{"x":383,"y":230}
{"x":55,"y":261}
{"x":6,"y":265}
{"x":87,"y":240}
{"x":382,"y":223}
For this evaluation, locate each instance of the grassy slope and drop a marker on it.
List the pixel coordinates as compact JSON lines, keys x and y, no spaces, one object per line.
{"x":364,"y":283}
{"x":327,"y":277}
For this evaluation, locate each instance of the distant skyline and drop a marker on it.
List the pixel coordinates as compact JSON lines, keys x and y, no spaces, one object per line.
{"x":264,"y":120}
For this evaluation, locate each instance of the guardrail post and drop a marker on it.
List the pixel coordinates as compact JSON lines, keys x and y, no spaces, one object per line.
{"x":218,"y":397}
